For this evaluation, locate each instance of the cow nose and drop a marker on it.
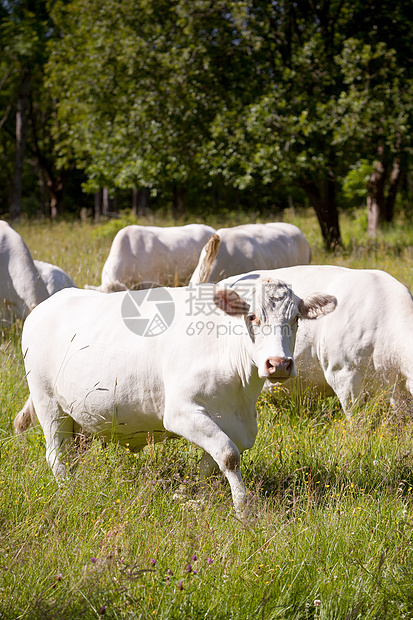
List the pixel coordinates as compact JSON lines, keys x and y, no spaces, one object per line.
{"x":279,"y":366}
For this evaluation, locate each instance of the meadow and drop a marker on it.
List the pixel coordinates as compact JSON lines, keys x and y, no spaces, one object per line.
{"x":141,"y":536}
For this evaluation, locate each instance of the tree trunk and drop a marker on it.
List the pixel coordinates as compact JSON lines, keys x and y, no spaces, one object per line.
{"x":98,"y":205}
{"x":394,"y":184}
{"x":135,"y":201}
{"x":215,"y":198}
{"x":21,"y":135}
{"x":51,"y":178}
{"x":55,"y":187}
{"x":115,"y":205}
{"x":375,"y":199}
{"x":105,"y":201}
{"x":178,"y":199}
{"x":44,"y":196}
{"x":323,"y":198}
{"x":140,"y":201}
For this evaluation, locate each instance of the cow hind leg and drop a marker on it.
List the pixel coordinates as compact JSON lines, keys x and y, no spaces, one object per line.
{"x":58,"y":429}
{"x":198,"y":427}
{"x":25,"y":417}
{"x":207,"y":467}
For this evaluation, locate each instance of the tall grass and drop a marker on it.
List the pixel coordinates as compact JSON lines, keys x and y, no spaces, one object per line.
{"x":140,"y":536}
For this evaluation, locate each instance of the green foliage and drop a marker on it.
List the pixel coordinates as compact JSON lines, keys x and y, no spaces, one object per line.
{"x":355,"y":183}
{"x":377,"y":104}
{"x":246,"y":96}
{"x":139,"y":115}
{"x":248,"y":93}
{"x":163,"y":107}
{"x":26,"y":33}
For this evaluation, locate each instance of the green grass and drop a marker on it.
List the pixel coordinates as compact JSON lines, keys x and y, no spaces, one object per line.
{"x":330,"y":533}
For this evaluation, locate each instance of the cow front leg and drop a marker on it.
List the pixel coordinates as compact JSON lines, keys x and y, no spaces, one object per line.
{"x":199,"y":428}
{"x":347,"y":383}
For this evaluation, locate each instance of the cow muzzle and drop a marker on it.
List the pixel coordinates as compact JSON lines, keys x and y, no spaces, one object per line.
{"x":278,"y":368}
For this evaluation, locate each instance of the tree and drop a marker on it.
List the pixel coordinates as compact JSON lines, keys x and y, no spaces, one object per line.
{"x":286,"y":132}
{"x":378,"y":115}
{"x":244,"y":93}
{"x":329,"y":101}
{"x":28,"y":123}
{"x":133,"y":122}
{"x":22,"y":34}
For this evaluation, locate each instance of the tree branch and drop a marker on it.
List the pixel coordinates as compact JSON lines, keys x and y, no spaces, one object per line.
{"x":4,"y":119}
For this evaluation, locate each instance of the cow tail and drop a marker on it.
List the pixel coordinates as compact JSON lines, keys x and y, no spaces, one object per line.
{"x":25,"y":417}
{"x":211,"y":250}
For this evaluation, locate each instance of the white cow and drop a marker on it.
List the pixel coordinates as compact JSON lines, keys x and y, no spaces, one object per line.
{"x":253,"y":246}
{"x":113,"y":366}
{"x":21,"y":287}
{"x":152,"y":254}
{"x":54,"y":277}
{"x":366,"y":345}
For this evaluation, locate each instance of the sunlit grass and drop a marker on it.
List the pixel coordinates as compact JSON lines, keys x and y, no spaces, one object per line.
{"x":331,"y":521}
{"x":82,"y":248}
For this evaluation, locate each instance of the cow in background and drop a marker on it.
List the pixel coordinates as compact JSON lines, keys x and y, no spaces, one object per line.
{"x":21,"y":287}
{"x":54,"y":277}
{"x":141,"y":256}
{"x":365,"y":346}
{"x":251,"y":246}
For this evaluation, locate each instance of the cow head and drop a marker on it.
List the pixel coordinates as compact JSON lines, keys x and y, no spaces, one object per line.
{"x":271,"y":311}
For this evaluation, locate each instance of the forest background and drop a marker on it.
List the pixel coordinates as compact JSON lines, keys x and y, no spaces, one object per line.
{"x":195,"y":107}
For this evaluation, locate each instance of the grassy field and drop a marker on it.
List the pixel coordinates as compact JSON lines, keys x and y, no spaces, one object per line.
{"x":140,"y":536}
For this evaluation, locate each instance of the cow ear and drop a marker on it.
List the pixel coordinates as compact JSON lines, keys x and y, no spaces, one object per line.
{"x":230,"y":302}
{"x":316,"y":305}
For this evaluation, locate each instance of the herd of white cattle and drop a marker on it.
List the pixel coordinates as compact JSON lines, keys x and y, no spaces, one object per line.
{"x":232,"y":330}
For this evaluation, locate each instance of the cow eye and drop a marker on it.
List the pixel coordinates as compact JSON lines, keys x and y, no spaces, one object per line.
{"x":295,"y":320}
{"x":252,"y":317}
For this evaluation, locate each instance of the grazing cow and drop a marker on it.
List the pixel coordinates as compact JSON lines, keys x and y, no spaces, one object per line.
{"x":54,"y":277}
{"x":364,"y":346}
{"x":252,"y":246}
{"x":21,"y":287}
{"x":151,"y":254}
{"x":187,"y":361}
